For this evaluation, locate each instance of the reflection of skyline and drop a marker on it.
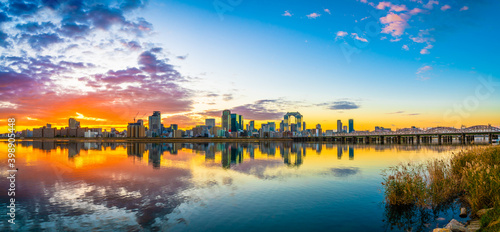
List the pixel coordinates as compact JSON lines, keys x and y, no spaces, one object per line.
{"x":232,"y":154}
{"x":117,"y":184}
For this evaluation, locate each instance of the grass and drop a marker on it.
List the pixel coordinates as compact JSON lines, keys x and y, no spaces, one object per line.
{"x":472,"y":175}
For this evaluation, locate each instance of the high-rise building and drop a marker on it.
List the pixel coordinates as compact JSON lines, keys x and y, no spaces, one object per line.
{"x":251,"y":127}
{"x":136,"y":130}
{"x":73,"y":124}
{"x":339,"y":126}
{"x":236,"y":122}
{"x":304,"y":126}
{"x":344,"y":129}
{"x":174,"y":127}
{"x":226,"y":120}
{"x":210,"y":122}
{"x":155,"y":123}
{"x":351,"y":125}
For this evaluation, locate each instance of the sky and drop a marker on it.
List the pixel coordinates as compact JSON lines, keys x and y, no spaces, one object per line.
{"x":394,"y":64}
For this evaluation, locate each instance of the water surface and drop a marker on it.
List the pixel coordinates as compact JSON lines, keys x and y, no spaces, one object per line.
{"x":211,"y":187}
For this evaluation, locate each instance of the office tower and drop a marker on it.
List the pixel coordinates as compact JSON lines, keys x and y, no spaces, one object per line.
{"x":344,"y":129}
{"x":272,"y":126}
{"x":155,"y":123}
{"x":174,"y":127}
{"x":236,"y":122}
{"x":304,"y":126}
{"x":251,"y":127}
{"x":339,"y":126}
{"x":73,"y":124}
{"x":240,"y":122}
{"x":210,"y":122}
{"x":226,"y":120}
{"x":351,"y":125}
{"x":49,"y":125}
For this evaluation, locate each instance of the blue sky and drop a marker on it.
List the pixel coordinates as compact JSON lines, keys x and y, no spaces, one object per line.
{"x":412,"y":61}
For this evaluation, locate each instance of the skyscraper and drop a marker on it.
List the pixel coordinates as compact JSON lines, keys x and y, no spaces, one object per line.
{"x":226,"y":120}
{"x":251,"y":127}
{"x":210,"y":122}
{"x":73,"y":124}
{"x":236,"y":122}
{"x":155,"y":123}
{"x":351,"y":125}
{"x":339,"y":126}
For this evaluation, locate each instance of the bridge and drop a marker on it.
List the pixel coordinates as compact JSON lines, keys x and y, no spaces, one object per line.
{"x":412,"y":135}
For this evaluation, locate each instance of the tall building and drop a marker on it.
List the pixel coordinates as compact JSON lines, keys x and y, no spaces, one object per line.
{"x":136,"y":130}
{"x":226,"y":120}
{"x":155,"y":123}
{"x":174,"y":127}
{"x":236,"y":122}
{"x":210,"y":122}
{"x":351,"y":125}
{"x":251,"y":127}
{"x":344,"y":129}
{"x":73,"y":124}
{"x":304,"y":126}
{"x":339,"y":126}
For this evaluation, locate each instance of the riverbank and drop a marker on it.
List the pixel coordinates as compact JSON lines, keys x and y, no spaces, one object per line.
{"x":161,"y":140}
{"x":472,"y":177}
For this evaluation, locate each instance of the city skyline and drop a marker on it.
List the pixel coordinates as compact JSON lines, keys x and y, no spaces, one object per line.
{"x":393,"y":64}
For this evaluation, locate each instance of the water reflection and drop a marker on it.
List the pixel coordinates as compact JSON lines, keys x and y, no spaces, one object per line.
{"x":185,"y":186}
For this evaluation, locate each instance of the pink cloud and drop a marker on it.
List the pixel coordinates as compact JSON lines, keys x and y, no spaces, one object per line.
{"x":405,"y":47}
{"x":341,"y":34}
{"x":383,"y":5}
{"x":356,"y":37}
{"x":445,"y":7}
{"x":425,"y":50}
{"x":416,"y":11}
{"x":431,"y":4}
{"x":394,"y":24}
{"x":287,"y":14}
{"x":397,"y":8}
{"x":313,"y":15}
{"x":424,"y":69}
{"x":328,"y":11}
{"x":464,"y":8}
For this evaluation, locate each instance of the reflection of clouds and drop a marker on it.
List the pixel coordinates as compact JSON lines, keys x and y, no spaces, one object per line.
{"x":343,"y":172}
{"x":257,"y":167}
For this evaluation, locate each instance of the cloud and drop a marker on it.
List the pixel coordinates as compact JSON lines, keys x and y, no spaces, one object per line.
{"x":445,"y":7}
{"x":182,"y":57}
{"x":287,"y":14}
{"x":341,"y":34}
{"x":340,"y":105}
{"x":51,"y":69}
{"x":267,"y":109}
{"x":227,"y":97}
{"x":313,"y":15}
{"x":397,"y":112}
{"x":405,"y":47}
{"x":416,"y":11}
{"x":425,"y":50}
{"x":430,"y":4}
{"x":464,"y":8}
{"x":327,"y":11}
{"x":356,"y":37}
{"x":413,"y":114}
{"x":394,"y":24}
{"x":424,"y":69}
{"x":392,"y":7}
